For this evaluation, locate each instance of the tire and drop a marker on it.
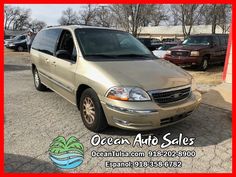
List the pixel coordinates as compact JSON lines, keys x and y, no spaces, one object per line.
{"x":37,"y":82}
{"x":204,"y":64}
{"x":20,"y":49}
{"x":91,"y":111}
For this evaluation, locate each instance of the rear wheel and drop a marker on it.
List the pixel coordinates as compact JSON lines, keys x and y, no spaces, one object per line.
{"x":204,"y":64}
{"x":37,"y":82}
{"x":91,"y":111}
{"x":20,"y":49}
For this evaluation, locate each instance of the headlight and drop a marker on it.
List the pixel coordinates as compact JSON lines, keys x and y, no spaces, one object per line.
{"x":194,"y":53}
{"x":127,"y":94}
{"x":11,"y":44}
{"x":194,"y":85}
{"x":168,"y":52}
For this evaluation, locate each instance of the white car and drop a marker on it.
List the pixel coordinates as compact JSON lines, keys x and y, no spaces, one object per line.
{"x":162,"y":50}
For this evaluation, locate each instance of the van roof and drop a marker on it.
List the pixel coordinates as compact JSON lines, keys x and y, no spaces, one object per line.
{"x":80,"y":26}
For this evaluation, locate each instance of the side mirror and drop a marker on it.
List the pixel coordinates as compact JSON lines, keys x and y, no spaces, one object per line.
{"x":63,"y":54}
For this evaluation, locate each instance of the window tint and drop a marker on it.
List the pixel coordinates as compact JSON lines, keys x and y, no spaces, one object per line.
{"x":216,"y":40}
{"x":226,"y":39}
{"x":222,"y":40}
{"x":66,"y":43}
{"x":106,"y":44}
{"x":45,"y":41}
{"x":22,"y":37}
{"x":198,"y":40}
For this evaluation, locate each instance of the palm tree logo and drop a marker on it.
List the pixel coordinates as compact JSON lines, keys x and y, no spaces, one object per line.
{"x":66,"y":154}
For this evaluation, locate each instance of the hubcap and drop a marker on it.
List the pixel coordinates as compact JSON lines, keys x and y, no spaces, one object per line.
{"x":20,"y":49}
{"x":36,"y":78}
{"x":205,"y":64}
{"x":88,"y":110}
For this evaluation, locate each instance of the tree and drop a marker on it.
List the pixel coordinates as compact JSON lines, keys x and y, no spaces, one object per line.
{"x":87,"y":16}
{"x":69,"y":17}
{"x":217,"y":14}
{"x":22,"y":19}
{"x":103,"y":16}
{"x":37,"y":25}
{"x":132,"y":16}
{"x":187,"y":14}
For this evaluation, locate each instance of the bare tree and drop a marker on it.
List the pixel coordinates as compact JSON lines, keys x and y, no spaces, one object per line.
{"x":187,"y":14}
{"x":37,"y":25}
{"x":87,"y":16}
{"x":217,"y":14}
{"x":9,"y":14}
{"x":103,"y":16}
{"x":69,"y":17}
{"x":132,"y":16}
{"x":16,"y":18}
{"x":154,"y":14}
{"x":22,"y":19}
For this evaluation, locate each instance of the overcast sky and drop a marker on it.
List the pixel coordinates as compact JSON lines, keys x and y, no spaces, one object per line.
{"x":49,"y":13}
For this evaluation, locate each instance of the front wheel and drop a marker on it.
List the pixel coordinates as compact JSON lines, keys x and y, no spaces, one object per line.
{"x":204,"y":64}
{"x":91,"y":111}
{"x":20,"y":49}
{"x":37,"y":82}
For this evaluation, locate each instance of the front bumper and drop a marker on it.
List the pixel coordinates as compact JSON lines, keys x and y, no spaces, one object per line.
{"x":183,"y":61}
{"x":148,"y":115}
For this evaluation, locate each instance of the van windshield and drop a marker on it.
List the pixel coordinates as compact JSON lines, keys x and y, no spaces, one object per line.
{"x":198,"y":40}
{"x":103,"y":44}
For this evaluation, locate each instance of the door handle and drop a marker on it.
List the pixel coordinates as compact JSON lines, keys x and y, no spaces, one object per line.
{"x":46,"y":60}
{"x":54,"y":63}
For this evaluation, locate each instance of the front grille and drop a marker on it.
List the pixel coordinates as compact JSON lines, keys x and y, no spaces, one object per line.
{"x":180,"y":53}
{"x":171,"y":95}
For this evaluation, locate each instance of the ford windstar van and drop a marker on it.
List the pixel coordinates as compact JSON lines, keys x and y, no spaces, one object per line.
{"x":112,"y":78}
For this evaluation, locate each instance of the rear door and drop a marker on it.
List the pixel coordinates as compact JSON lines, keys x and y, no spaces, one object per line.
{"x":63,"y":67}
{"x":45,"y":45}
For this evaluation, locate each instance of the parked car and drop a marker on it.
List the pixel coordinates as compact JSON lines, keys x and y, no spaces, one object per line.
{"x":17,"y":43}
{"x":170,"y":40}
{"x":112,"y":78}
{"x":200,"y":50}
{"x":151,"y":43}
{"x":162,"y":50}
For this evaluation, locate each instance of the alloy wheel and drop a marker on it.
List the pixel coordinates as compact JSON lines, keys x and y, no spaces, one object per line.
{"x":88,"y":110}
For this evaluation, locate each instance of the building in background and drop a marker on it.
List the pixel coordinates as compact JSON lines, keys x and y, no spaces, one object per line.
{"x":164,"y":32}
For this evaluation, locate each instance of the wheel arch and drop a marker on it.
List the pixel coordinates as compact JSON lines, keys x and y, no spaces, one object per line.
{"x":81,"y":88}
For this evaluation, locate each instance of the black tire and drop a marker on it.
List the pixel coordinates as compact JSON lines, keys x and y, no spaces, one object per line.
{"x":99,"y":122}
{"x":37,"y":82}
{"x":20,"y":49}
{"x":204,"y":64}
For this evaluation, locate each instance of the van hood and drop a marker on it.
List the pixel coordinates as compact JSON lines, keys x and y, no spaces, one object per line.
{"x":189,"y":47}
{"x":146,"y":74}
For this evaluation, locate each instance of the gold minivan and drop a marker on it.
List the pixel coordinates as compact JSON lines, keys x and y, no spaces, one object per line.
{"x":112,"y":78}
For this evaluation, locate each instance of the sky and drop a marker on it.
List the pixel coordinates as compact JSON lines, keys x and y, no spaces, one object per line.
{"x":49,"y":13}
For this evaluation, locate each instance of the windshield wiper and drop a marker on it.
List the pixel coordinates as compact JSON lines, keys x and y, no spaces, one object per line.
{"x":134,"y":55}
{"x":100,"y":56}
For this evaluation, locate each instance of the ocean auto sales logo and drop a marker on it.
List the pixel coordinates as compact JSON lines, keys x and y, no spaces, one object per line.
{"x":66,"y":154}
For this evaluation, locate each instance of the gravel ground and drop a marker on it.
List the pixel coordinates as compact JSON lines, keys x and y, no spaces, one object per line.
{"x":33,"y":119}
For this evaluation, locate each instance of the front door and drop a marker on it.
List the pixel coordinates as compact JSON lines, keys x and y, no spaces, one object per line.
{"x":64,"y":67}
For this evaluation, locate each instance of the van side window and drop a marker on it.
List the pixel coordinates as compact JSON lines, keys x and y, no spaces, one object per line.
{"x":222,"y":40}
{"x":216,"y":41}
{"x":45,"y":41}
{"x":66,"y":43}
{"x":226,"y":39}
